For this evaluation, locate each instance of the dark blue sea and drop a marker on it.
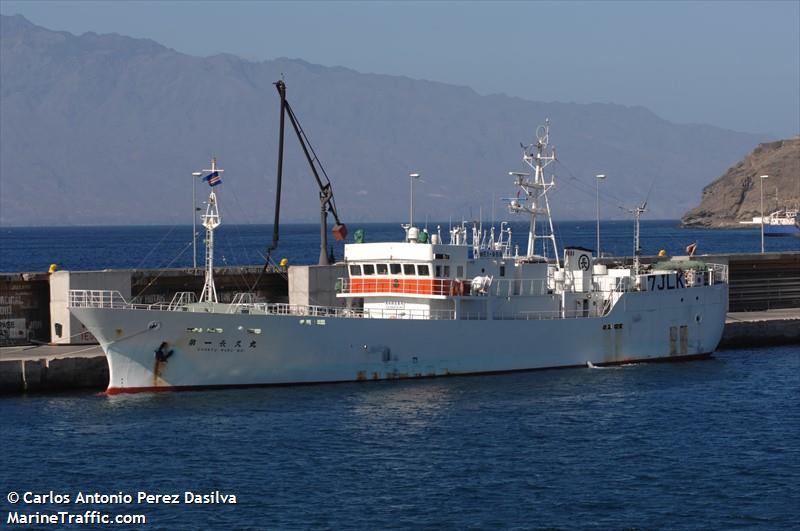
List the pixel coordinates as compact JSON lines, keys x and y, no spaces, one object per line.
{"x":85,"y":248}
{"x":697,"y":445}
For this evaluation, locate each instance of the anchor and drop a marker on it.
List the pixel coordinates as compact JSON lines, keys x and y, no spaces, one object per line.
{"x":162,"y":356}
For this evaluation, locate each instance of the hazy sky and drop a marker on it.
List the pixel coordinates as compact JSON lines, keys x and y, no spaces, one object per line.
{"x":732,"y":64}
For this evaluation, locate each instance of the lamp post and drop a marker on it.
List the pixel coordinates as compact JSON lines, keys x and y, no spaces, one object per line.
{"x":195,"y":174}
{"x":762,"y":212}
{"x":599,"y":177}
{"x":412,"y":176}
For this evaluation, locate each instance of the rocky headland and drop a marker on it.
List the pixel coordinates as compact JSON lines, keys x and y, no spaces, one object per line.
{"x":736,"y":196}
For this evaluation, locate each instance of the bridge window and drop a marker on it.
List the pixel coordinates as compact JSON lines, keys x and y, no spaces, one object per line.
{"x":394,"y":269}
{"x":422,"y":270}
{"x":355,"y":270}
{"x":383,"y":269}
{"x":447,"y":271}
{"x":408,"y":269}
{"x":369,"y":269}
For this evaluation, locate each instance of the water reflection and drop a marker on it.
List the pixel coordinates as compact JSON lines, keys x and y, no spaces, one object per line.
{"x":410,"y":406}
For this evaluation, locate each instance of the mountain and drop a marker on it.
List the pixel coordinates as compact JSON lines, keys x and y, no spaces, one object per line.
{"x":736,"y":196}
{"x":106,"y":129}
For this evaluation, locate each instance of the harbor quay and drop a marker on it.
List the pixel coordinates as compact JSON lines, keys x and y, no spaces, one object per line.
{"x":44,"y":348}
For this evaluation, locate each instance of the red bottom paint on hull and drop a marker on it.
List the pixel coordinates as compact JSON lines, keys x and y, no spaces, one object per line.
{"x":180,"y":388}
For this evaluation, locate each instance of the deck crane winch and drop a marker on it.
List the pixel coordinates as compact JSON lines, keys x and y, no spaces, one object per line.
{"x":327,"y":203}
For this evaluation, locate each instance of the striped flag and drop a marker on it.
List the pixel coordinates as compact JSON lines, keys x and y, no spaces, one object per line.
{"x":213,"y":178}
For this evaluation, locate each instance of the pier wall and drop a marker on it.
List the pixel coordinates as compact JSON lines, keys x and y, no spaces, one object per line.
{"x":315,"y":285}
{"x":31,"y":304}
{"x":765,"y":330}
{"x":66,"y":328}
{"x":24,"y":308}
{"x":79,"y":370}
{"x":764,"y":281}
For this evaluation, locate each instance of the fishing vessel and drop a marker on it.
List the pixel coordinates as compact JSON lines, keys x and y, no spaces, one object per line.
{"x":784,"y":222}
{"x":421,"y":307}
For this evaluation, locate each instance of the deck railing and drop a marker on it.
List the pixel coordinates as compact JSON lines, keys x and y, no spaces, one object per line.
{"x":110,"y":299}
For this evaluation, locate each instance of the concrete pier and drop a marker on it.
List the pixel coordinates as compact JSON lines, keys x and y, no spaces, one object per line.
{"x":38,"y":368}
{"x":757,"y":329}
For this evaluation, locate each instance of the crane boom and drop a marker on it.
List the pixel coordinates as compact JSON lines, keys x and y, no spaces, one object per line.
{"x":327,"y":202}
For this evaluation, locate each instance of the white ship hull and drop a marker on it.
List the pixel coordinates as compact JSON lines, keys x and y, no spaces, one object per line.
{"x":297,"y":349}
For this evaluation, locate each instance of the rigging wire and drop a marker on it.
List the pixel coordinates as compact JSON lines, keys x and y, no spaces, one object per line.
{"x":152,"y":250}
{"x":231,"y":248}
{"x":247,"y":220}
{"x":163,"y":270}
{"x":605,"y":196}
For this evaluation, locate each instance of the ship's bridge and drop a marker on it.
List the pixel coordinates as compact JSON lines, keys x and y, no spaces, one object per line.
{"x":404,"y":269}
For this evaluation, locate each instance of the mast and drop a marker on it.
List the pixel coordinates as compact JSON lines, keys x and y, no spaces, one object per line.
{"x":535,"y":201}
{"x":211,"y":221}
{"x":637,"y":249}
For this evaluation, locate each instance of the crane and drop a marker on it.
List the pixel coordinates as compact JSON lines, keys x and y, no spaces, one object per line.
{"x":327,"y":203}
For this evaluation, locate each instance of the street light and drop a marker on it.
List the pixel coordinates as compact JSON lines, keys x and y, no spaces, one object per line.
{"x":194,"y":218}
{"x":412,"y":176}
{"x":598,"y":178}
{"x":762,"y":212}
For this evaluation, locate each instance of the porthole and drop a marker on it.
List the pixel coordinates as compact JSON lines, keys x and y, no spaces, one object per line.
{"x":697,"y":318}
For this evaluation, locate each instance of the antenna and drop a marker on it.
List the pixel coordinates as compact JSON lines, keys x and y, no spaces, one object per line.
{"x":637,"y":212}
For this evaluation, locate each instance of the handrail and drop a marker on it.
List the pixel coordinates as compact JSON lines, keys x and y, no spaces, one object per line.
{"x":109,"y":299}
{"x":112,"y":299}
{"x":182,"y":298}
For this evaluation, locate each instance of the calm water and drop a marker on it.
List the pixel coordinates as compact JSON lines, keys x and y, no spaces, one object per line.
{"x":83,"y":248}
{"x":697,"y":445}
{"x":710,"y":444}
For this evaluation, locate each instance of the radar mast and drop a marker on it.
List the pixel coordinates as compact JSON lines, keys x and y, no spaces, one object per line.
{"x":535,"y":188}
{"x":211,"y":221}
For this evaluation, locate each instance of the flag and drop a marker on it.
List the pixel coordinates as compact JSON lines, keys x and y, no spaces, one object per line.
{"x":213,"y":178}
{"x":692,"y":247}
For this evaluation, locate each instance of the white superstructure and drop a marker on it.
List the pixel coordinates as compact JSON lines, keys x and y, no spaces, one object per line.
{"x":421,"y":308}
